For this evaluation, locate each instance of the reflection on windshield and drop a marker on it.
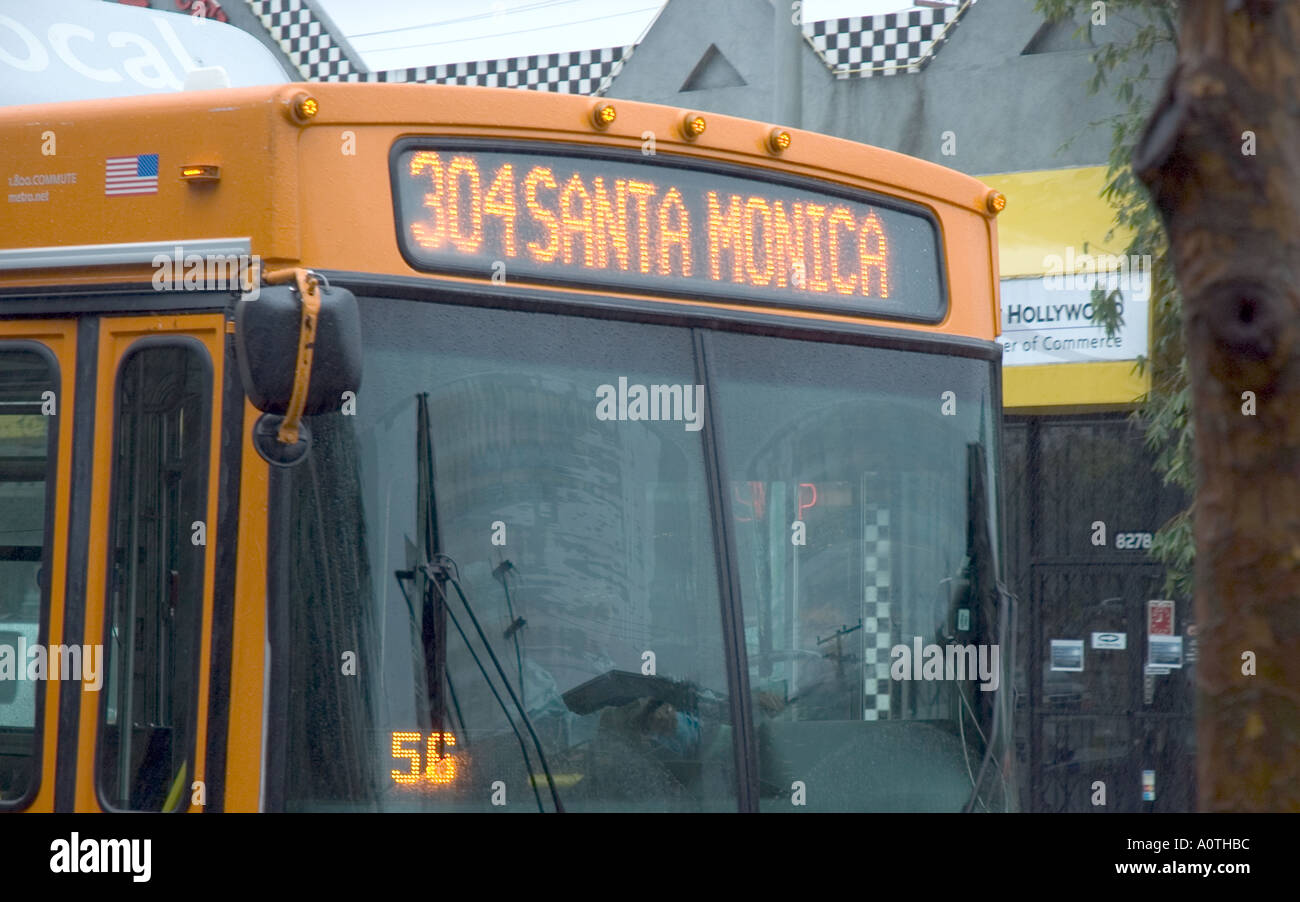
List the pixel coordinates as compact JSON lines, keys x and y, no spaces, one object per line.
{"x":584,"y":550}
{"x":863,"y":525}
{"x":583,"y":542}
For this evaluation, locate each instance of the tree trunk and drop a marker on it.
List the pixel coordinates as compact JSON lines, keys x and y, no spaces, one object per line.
{"x":1233,"y":220}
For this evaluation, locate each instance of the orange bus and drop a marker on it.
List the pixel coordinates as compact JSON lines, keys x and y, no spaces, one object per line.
{"x":421,"y":448}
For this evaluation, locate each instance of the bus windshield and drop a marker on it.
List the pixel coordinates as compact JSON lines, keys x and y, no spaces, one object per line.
{"x":576,"y":465}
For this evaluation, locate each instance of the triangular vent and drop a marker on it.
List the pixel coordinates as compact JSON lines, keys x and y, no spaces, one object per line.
{"x":712,"y":71}
{"x":1055,"y":37}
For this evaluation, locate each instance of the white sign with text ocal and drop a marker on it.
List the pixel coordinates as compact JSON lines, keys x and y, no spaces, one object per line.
{"x":1042,"y":323}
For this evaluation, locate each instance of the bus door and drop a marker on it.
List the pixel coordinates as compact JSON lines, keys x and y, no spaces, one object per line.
{"x":149,"y":587}
{"x":37,"y":370}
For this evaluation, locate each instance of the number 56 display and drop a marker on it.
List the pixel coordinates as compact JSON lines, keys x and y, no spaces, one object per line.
{"x":439,"y":770}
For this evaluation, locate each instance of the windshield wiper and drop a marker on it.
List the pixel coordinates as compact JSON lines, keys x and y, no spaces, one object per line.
{"x":418,"y":653}
{"x":523,"y":749}
{"x":985,"y":588}
{"x":452,"y":575}
{"x":436,"y":570}
{"x":501,"y":571}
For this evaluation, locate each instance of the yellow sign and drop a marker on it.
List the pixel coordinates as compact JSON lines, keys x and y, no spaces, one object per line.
{"x":1053,"y":216}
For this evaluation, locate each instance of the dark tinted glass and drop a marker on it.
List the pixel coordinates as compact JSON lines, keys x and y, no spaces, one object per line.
{"x":863,"y":493}
{"x":28,"y":430}
{"x":581,"y":541}
{"x":155,"y":592}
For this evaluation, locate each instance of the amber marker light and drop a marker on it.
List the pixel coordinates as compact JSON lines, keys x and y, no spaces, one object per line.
{"x":603,"y":115}
{"x":303,"y":108}
{"x":201,"y":173}
{"x":996,"y":202}
{"x":778,"y":139}
{"x":692,"y":126}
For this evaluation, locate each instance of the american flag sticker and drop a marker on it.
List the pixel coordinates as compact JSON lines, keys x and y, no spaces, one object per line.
{"x":131,"y":175}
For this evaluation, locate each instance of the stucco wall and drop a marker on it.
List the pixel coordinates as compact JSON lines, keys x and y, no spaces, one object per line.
{"x":1008,"y":110}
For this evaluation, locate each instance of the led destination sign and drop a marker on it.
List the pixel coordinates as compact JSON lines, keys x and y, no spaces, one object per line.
{"x":659,"y":227}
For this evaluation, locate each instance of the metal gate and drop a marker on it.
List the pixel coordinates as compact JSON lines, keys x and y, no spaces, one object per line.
{"x":1097,"y":728}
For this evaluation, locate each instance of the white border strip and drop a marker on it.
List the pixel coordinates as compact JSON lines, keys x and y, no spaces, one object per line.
{"x":118,"y":254}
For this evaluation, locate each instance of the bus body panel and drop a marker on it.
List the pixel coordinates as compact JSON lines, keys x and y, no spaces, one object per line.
{"x":118,"y":337}
{"x":59,"y":338}
{"x":318,"y":194}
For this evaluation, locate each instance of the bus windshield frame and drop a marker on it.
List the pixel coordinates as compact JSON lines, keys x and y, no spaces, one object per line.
{"x":344,"y":479}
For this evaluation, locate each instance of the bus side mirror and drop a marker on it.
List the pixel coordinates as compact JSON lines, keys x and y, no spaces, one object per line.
{"x":267,"y":330}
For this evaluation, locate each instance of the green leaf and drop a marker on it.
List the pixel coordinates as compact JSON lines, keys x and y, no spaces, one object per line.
{"x":1166,"y":412}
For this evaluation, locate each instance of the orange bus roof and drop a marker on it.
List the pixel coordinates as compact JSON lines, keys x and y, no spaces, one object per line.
{"x":295,"y":193}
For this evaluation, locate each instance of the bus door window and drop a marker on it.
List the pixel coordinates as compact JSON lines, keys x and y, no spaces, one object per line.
{"x":28,"y":386}
{"x":155,"y":592}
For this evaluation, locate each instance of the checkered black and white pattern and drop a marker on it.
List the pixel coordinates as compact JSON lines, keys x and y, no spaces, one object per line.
{"x":877,"y":622}
{"x":861,"y":46}
{"x":307,"y":42}
{"x":864,"y":46}
{"x":305,"y":39}
{"x":585,"y":72}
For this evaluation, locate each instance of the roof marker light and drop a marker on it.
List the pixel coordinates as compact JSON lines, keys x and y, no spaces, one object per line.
{"x":303,"y":108}
{"x":603,"y":115}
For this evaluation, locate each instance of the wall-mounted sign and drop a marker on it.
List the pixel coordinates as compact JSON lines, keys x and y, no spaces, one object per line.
{"x":652,"y":224}
{"x":1067,"y":655}
{"x":1151,"y":671}
{"x":1116,"y":641}
{"x":1045,"y":324}
{"x":1160,"y":618}
{"x":1165,"y":651}
{"x":1148,"y":786}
